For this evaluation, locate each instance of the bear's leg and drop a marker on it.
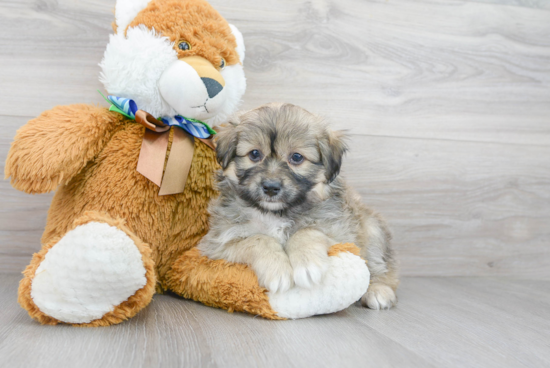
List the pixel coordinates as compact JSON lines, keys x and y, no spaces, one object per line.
{"x":97,"y":274}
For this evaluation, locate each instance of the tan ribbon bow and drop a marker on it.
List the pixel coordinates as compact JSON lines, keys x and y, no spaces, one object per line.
{"x":153,"y":154}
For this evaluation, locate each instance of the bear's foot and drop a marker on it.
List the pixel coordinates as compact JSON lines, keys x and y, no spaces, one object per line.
{"x":92,"y":275}
{"x":235,"y":286}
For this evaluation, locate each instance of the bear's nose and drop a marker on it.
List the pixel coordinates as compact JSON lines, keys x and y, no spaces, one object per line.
{"x":271,"y":187}
{"x":213,"y":87}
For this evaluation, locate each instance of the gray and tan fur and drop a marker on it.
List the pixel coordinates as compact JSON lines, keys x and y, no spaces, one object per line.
{"x":280,"y":212}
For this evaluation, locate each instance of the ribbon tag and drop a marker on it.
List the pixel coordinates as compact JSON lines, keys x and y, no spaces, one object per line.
{"x":179,"y":163}
{"x":149,"y":122}
{"x":155,"y":144}
{"x":152,"y":155}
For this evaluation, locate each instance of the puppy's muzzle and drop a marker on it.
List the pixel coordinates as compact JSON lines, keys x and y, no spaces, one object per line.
{"x":271,"y":187}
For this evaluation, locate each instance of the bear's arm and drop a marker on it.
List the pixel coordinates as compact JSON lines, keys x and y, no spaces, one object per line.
{"x":54,"y":147}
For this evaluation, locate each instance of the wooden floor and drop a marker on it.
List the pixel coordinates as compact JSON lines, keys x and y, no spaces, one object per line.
{"x":439,"y":322}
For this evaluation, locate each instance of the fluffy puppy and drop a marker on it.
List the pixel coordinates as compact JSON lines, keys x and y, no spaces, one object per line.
{"x":282,"y":204}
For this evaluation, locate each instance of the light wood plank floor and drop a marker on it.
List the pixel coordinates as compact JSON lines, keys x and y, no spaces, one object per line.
{"x":439,"y":322}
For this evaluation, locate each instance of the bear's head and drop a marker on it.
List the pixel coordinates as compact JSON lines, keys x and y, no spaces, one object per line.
{"x":175,"y":57}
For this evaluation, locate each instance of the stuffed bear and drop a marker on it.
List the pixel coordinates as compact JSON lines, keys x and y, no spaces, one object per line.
{"x":133,"y":181}
{"x":112,"y":234}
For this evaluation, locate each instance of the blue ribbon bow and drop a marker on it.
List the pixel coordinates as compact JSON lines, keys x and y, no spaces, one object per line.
{"x":128,"y":108}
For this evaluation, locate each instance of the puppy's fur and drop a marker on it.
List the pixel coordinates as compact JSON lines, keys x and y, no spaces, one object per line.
{"x":284,"y":233}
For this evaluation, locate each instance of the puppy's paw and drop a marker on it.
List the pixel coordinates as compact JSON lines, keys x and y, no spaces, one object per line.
{"x":309,"y":267}
{"x":275,"y":274}
{"x":379,"y":296}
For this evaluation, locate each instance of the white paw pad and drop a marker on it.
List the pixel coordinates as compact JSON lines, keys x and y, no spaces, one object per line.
{"x":91,"y":270}
{"x":379,"y":296}
{"x":275,"y":276}
{"x":308,"y":276}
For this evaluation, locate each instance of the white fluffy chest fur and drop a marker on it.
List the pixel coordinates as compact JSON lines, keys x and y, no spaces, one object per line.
{"x":266,"y":223}
{"x":257,"y":222}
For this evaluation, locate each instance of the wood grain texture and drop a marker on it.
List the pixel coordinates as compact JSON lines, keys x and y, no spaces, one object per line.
{"x":535,"y":4}
{"x":447,"y":104}
{"x":439,"y":322}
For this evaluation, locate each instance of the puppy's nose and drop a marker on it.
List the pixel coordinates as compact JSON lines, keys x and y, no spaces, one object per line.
{"x":213,"y":87}
{"x":271,"y":187}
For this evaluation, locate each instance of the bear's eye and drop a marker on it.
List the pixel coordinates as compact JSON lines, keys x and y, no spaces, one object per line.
{"x":184,"y":45}
{"x":222,"y":63}
{"x":255,"y":155}
{"x":296,"y":159}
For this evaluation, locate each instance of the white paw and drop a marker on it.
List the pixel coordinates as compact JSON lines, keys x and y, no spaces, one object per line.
{"x":275,"y":274}
{"x":92,"y":269}
{"x":379,"y":296}
{"x":309,"y":269}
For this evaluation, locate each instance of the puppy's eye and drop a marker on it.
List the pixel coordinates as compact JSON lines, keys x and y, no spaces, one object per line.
{"x":296,"y":159}
{"x":184,"y":45}
{"x":255,"y":155}
{"x":222,"y":64}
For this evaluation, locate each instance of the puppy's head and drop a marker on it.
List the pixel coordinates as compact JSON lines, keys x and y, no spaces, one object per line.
{"x":280,"y":156}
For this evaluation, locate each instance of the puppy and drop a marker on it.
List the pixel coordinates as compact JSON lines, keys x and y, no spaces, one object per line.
{"x":282,"y":204}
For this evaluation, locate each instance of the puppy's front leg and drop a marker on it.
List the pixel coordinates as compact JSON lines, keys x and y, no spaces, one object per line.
{"x":307,"y":250}
{"x":266,"y":257}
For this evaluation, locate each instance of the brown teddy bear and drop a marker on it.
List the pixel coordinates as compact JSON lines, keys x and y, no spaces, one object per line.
{"x":173,"y":70}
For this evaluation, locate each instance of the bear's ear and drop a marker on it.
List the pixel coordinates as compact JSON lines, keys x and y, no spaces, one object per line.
{"x":126,"y":11}
{"x":240,"y":41}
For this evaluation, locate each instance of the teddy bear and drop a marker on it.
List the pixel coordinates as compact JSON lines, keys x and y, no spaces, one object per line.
{"x":114,"y":232}
{"x":133,"y":181}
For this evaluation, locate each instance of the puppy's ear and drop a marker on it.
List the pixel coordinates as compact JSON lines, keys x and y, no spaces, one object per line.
{"x":332,"y":147}
{"x":226,"y":144}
